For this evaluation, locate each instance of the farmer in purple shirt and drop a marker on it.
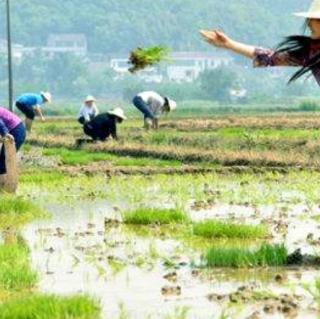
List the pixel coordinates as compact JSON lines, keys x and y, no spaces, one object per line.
{"x":299,"y":51}
{"x":11,"y":127}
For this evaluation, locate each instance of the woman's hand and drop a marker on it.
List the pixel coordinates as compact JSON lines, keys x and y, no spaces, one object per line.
{"x":9,"y":138}
{"x":216,"y":38}
{"x":221,"y":40}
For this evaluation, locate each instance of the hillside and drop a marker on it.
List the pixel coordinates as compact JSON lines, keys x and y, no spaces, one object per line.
{"x":118,"y":25}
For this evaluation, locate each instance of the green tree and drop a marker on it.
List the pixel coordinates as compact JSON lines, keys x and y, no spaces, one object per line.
{"x":64,"y":73}
{"x":217,"y":83}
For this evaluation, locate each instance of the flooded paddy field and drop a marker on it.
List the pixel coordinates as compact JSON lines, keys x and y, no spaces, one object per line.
{"x":125,"y":236}
{"x":158,"y":271}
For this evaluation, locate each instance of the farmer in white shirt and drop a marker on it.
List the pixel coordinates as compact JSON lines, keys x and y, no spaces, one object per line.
{"x":88,"y":111}
{"x":152,"y":105}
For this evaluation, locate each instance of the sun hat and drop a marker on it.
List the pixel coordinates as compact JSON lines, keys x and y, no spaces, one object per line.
{"x":313,"y":13}
{"x":47,"y":96}
{"x":172,"y":104}
{"x":118,"y":112}
{"x":90,"y":98}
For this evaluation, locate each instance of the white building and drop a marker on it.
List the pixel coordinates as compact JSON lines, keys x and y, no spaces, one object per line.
{"x":182,"y":67}
{"x":56,"y":43}
{"x":187,"y":66}
{"x":66,"y":43}
{"x":17,"y":50}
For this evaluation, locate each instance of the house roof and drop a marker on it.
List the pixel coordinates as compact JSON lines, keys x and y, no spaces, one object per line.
{"x":67,"y":37}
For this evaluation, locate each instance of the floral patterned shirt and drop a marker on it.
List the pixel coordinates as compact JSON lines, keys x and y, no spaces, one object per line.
{"x":267,"y":58}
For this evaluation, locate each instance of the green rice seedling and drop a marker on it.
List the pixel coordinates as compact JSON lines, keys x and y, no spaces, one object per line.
{"x":266,"y":255}
{"x":15,"y":211}
{"x":123,"y":312}
{"x":76,"y":157}
{"x":15,"y":272}
{"x":217,"y":229}
{"x":140,"y":58}
{"x":50,"y":306}
{"x":179,"y":313}
{"x":42,"y":177}
{"x":147,"y":216}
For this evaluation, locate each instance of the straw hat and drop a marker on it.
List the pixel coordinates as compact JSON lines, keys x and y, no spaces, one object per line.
{"x":90,"y":98}
{"x":313,"y":13}
{"x":47,"y":96}
{"x":118,"y":112}
{"x":172,"y":104}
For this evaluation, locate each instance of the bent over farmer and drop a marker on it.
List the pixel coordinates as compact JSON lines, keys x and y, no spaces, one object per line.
{"x":12,"y":129}
{"x":297,"y":50}
{"x":152,"y":105}
{"x":30,"y":105}
{"x":104,"y":125}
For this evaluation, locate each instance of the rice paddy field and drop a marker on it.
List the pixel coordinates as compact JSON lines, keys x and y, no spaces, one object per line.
{"x":204,"y":219}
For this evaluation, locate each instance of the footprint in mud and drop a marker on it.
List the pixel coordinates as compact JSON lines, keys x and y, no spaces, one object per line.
{"x":217,"y":297}
{"x":111,"y":223}
{"x":171,"y":291}
{"x":255,"y":315}
{"x":59,"y":233}
{"x":172,"y":276}
{"x":279,"y":278}
{"x":50,"y":250}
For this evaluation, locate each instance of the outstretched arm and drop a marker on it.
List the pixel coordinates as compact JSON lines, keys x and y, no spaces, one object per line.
{"x":39,"y":112}
{"x":221,"y":40}
{"x":261,"y":57}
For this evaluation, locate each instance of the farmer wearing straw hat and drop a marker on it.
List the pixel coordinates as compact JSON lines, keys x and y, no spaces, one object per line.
{"x":30,"y":105}
{"x":152,"y":105}
{"x":104,"y":125}
{"x":298,"y":50}
{"x":13,"y":130}
{"x":88,"y":111}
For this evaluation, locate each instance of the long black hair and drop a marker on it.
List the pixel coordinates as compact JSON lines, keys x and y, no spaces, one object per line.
{"x":298,"y":46}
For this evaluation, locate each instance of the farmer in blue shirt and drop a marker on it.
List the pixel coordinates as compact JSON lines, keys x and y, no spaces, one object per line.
{"x":30,"y":105}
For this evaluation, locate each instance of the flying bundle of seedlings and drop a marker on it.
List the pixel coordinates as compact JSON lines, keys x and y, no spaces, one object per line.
{"x":141,"y":58}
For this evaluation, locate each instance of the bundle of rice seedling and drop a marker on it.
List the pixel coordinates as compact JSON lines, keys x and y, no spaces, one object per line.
{"x":140,"y":58}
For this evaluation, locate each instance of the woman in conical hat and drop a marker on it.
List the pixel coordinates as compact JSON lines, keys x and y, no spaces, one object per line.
{"x":300,"y":51}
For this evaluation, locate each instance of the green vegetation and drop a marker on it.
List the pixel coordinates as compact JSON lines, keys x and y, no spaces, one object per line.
{"x":309,"y":105}
{"x":85,"y":157}
{"x":251,"y":141}
{"x":15,"y":211}
{"x":147,"y":216}
{"x":110,"y":17}
{"x":179,"y":313}
{"x":266,"y":255}
{"x":49,"y":307}
{"x":15,"y":272}
{"x":140,"y":58}
{"x":216,"y":229}
{"x":42,"y":177}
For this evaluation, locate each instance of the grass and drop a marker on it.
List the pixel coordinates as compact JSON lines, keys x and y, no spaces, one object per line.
{"x":42,"y":177}
{"x":50,"y":307}
{"x":15,"y":271}
{"x":216,"y":229}
{"x":84,"y":157}
{"x":80,"y":157}
{"x":266,"y":255}
{"x":147,"y":216}
{"x":252,"y":141}
{"x":16,"y":211}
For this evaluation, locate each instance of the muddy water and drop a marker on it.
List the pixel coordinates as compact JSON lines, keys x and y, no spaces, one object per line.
{"x":75,"y":252}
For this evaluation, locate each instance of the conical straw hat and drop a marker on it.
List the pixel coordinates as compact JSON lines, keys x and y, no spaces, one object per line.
{"x":313,"y":13}
{"x":118,"y":112}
